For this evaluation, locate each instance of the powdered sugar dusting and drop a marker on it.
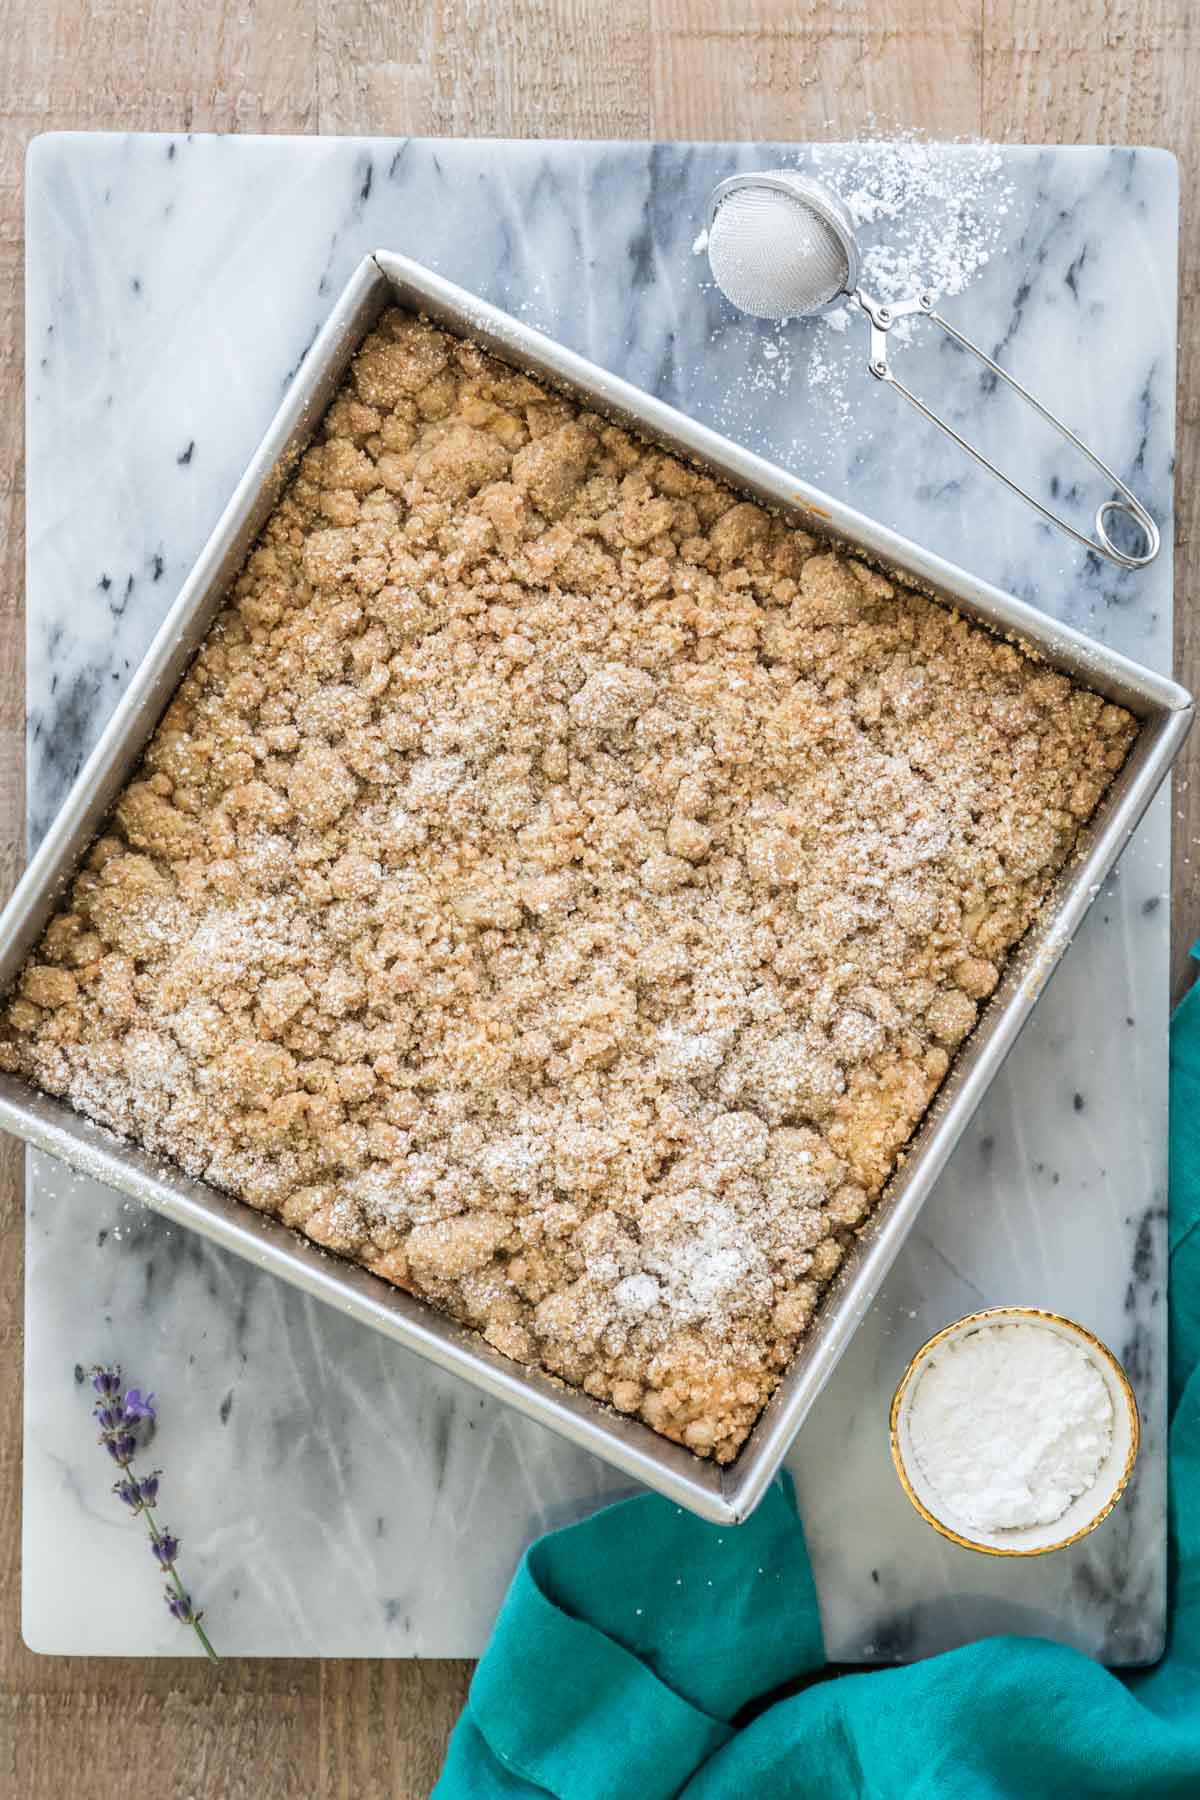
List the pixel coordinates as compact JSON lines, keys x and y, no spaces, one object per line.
{"x":560,"y":886}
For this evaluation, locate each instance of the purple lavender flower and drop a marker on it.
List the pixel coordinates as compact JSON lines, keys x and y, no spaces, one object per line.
{"x":119,"y":1418}
{"x":179,"y":1605}
{"x":166,"y":1548}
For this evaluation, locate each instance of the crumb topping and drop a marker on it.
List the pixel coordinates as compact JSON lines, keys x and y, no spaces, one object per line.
{"x":559,"y":885}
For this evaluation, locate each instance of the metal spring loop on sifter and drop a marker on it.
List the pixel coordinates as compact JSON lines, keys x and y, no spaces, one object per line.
{"x":882,"y":318}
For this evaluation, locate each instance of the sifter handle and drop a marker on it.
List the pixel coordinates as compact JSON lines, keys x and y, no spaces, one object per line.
{"x":882,"y":319}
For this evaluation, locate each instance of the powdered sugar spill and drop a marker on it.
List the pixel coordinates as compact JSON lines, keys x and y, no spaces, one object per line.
{"x":940,"y":205}
{"x":928,"y":215}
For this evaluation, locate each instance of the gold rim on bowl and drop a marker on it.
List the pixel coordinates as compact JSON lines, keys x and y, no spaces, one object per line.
{"x":953,"y":1330}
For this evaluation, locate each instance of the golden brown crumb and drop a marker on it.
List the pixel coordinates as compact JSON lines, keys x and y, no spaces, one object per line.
{"x":560,"y":886}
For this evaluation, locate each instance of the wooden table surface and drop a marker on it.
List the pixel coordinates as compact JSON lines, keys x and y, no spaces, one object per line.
{"x":1014,"y":70}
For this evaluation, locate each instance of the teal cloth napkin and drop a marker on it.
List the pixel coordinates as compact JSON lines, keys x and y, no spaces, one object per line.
{"x":629,"y":1645}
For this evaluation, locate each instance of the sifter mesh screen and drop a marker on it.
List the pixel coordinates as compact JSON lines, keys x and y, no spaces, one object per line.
{"x":773,"y":256}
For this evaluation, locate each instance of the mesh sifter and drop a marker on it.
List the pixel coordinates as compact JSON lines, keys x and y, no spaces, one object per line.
{"x":781,"y":246}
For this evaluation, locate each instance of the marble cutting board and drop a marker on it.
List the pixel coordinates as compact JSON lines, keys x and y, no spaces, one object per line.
{"x":335,"y":1494}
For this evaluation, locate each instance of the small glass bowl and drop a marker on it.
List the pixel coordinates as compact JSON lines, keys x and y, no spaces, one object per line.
{"x":1085,"y":1512}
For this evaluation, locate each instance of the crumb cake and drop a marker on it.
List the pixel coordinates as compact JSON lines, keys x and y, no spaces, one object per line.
{"x":560,"y":885}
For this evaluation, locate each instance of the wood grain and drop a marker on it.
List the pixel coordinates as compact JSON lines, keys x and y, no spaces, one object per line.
{"x":1029,"y":70}
{"x":771,"y":69}
{"x":454,"y":68}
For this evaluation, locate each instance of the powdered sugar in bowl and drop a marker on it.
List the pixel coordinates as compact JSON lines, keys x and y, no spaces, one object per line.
{"x":1014,"y":1431}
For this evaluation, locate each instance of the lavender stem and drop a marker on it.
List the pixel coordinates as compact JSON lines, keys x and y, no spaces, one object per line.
{"x":115,"y":1416}
{"x":173,"y":1572}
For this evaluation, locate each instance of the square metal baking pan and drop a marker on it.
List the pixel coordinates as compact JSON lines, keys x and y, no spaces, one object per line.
{"x":1164,"y":709}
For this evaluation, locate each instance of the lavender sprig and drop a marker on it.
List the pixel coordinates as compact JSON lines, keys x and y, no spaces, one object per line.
{"x":118,"y":1416}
